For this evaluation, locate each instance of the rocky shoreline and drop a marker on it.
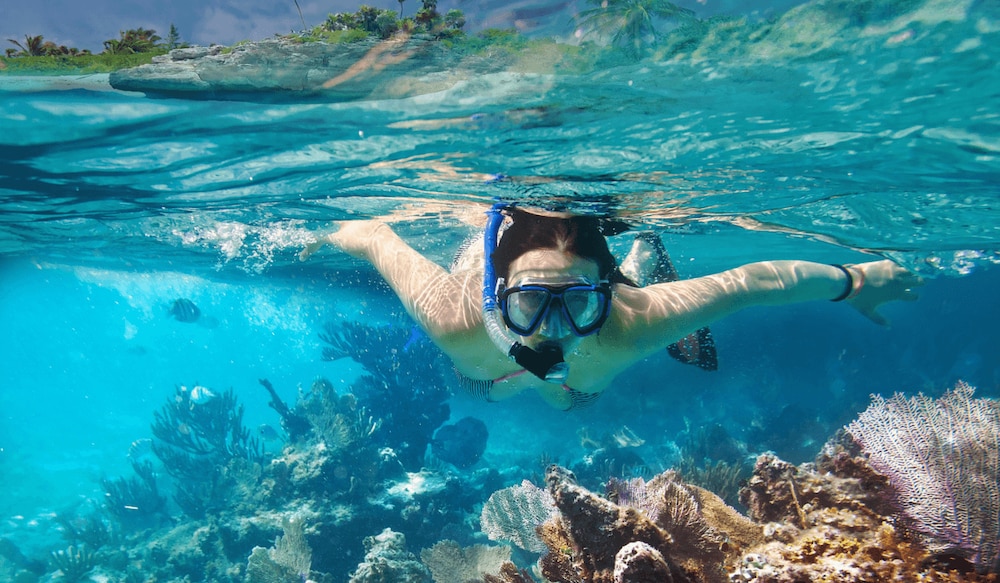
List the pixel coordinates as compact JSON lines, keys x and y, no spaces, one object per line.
{"x":285,"y":68}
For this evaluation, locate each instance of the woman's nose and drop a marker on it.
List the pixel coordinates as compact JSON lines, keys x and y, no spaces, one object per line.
{"x":553,"y":325}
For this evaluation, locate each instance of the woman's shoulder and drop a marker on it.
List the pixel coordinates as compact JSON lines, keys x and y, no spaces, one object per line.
{"x":469,"y":256}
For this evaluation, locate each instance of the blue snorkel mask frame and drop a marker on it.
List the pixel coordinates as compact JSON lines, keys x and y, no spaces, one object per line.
{"x":548,"y":363}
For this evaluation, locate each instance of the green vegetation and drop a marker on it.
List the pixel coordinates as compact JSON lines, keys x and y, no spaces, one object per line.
{"x":381,"y":23}
{"x":37,"y":46}
{"x":83,"y":64}
{"x":134,"y":47}
{"x":631,"y":26}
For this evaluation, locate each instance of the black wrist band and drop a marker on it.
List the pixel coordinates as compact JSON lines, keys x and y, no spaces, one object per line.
{"x":850,"y":283}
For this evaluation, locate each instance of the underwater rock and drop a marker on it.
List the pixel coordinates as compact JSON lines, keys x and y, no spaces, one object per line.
{"x":586,"y":537}
{"x":687,"y":534}
{"x":12,"y":555}
{"x":386,"y":559}
{"x":637,"y":562}
{"x":184,"y":310}
{"x":829,"y":521}
{"x":461,"y":443}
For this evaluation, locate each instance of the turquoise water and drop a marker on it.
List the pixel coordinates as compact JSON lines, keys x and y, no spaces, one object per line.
{"x":879,"y":139}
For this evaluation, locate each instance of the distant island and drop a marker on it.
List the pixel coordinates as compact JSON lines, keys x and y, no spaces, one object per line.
{"x":378,"y":53}
{"x":367,"y":26}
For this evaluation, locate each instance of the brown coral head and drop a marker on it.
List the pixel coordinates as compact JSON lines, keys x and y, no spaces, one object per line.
{"x":638,"y":561}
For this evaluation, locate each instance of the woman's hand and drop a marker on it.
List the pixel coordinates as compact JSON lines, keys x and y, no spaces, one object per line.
{"x":351,"y":237}
{"x":884,"y":281}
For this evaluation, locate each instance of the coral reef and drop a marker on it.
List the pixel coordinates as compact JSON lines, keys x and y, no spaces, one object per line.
{"x":588,"y":537}
{"x":386,"y":559}
{"x":74,"y":563}
{"x":201,"y":440}
{"x":289,"y":560}
{"x":664,"y":529}
{"x":303,"y":515}
{"x":830,"y":521}
{"x":404,"y":385}
{"x":451,"y":563}
{"x":943,"y":471}
{"x":340,"y":490}
{"x":135,"y":502}
{"x":512,"y":514}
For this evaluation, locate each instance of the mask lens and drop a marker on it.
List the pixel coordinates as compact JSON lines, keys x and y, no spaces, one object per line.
{"x":584,"y":307}
{"x":525,"y":309}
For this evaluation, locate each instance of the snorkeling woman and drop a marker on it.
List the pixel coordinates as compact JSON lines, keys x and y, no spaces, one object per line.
{"x":542,"y":303}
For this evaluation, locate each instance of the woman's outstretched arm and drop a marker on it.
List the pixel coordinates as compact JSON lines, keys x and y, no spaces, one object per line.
{"x":436,"y":299}
{"x":657,"y":315}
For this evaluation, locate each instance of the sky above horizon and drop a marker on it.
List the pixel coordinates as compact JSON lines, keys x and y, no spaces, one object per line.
{"x":86,"y":25}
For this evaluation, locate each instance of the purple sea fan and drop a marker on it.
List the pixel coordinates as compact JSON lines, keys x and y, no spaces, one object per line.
{"x":942,"y":458}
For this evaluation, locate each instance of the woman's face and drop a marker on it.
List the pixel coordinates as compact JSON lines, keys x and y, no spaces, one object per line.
{"x":552,"y":267}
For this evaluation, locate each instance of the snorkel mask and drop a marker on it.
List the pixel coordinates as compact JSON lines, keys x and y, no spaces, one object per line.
{"x":522,"y":309}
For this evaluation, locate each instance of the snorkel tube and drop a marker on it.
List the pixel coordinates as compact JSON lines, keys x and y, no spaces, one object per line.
{"x":547,"y":364}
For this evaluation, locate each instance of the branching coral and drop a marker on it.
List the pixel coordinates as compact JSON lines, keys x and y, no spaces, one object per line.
{"x":295,"y":425}
{"x":404,"y":386}
{"x":74,"y":563}
{"x":94,"y":530}
{"x":338,"y":421}
{"x":135,"y":502}
{"x":197,"y":437}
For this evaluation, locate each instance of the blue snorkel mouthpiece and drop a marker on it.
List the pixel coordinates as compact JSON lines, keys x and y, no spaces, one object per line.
{"x":547,"y":363}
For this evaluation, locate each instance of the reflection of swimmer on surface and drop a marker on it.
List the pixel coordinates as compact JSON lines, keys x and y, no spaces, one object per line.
{"x":543,"y":305}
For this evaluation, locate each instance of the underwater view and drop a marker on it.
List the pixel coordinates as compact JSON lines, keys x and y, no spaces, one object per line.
{"x":196,"y":389}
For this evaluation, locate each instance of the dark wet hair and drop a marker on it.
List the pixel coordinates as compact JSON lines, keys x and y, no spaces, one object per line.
{"x":582,"y":236}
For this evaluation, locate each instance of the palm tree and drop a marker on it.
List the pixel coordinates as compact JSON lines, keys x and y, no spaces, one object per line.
{"x":632,"y":23}
{"x":400,"y":7}
{"x":137,"y":40}
{"x":34,"y":46}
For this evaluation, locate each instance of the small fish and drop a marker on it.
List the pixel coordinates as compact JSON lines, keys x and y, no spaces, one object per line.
{"x":184,"y":310}
{"x":268,"y":433}
{"x":200,"y":395}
